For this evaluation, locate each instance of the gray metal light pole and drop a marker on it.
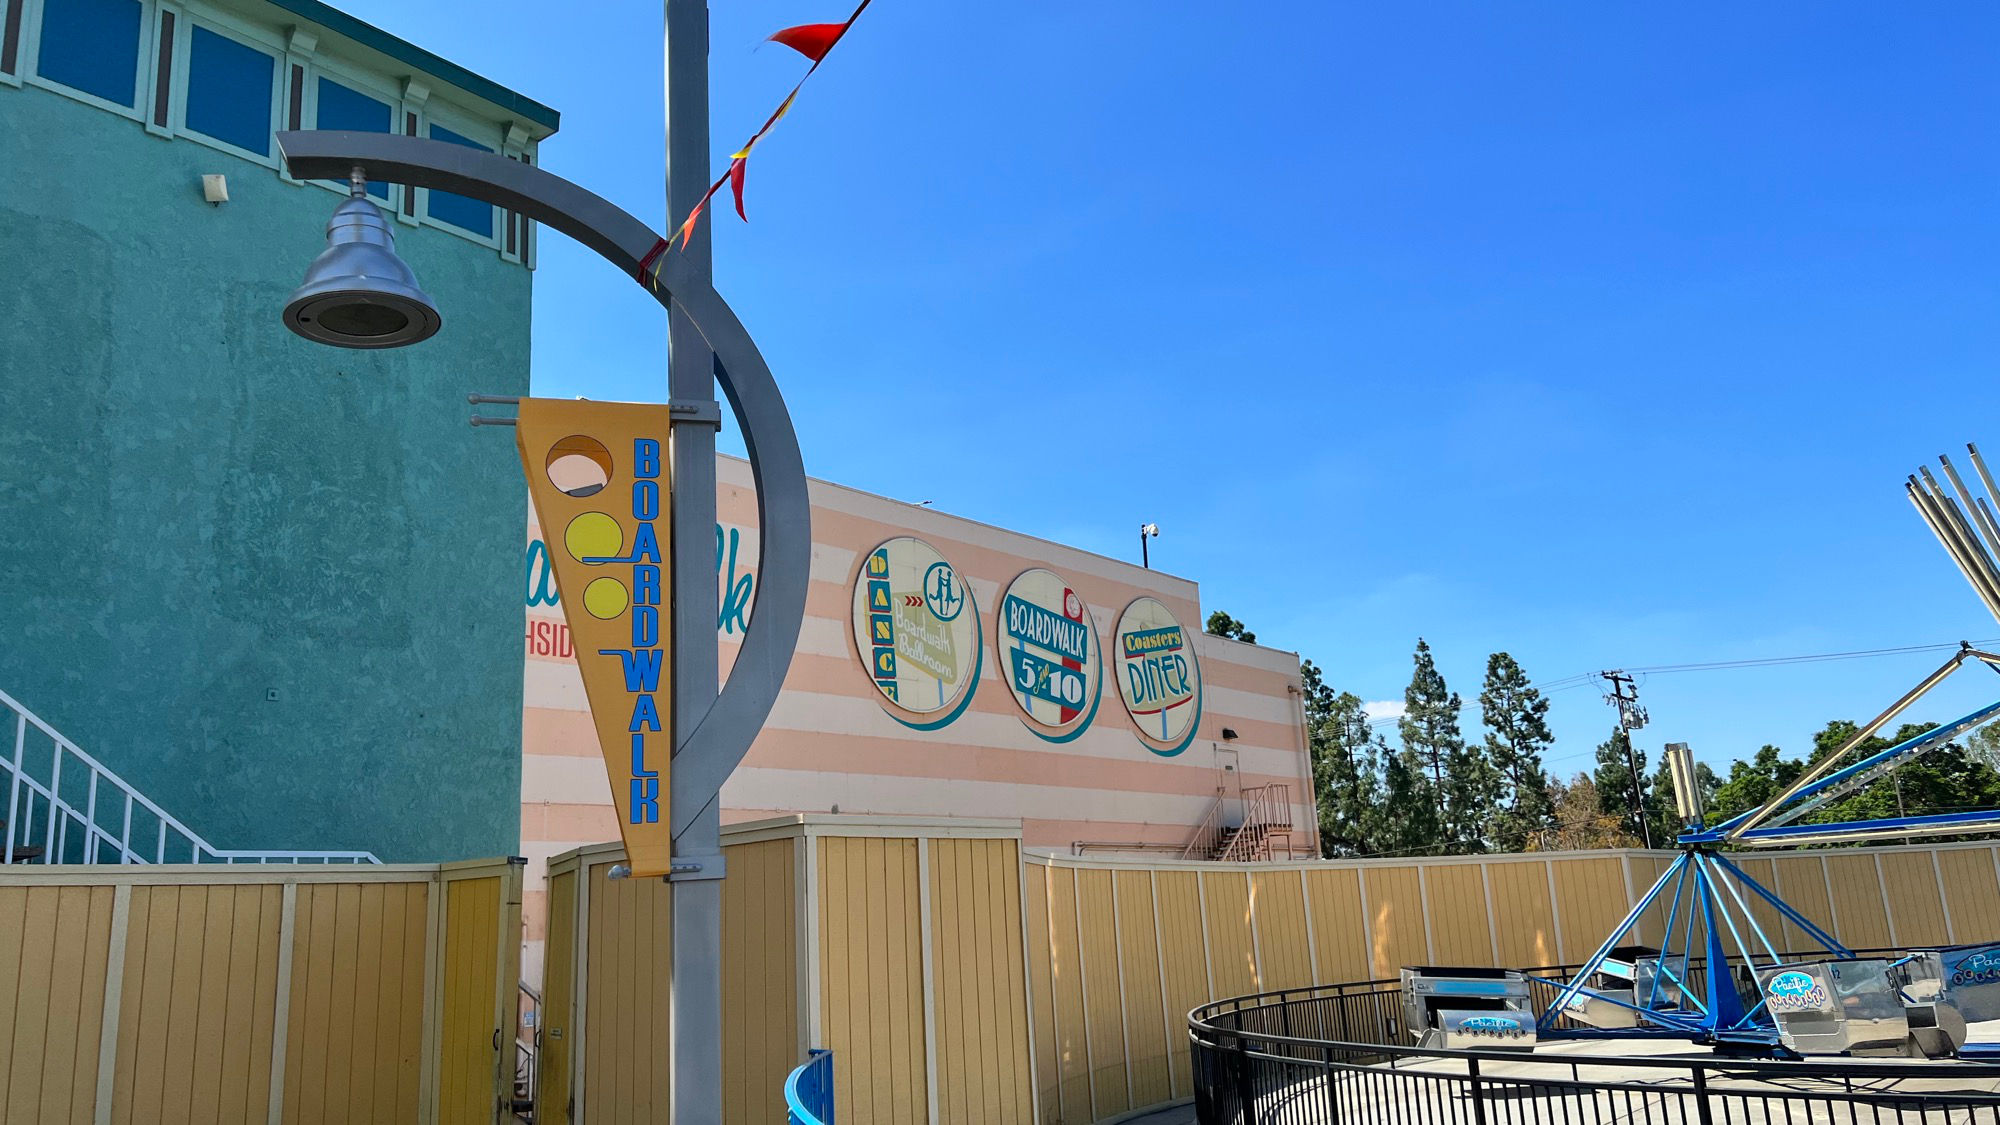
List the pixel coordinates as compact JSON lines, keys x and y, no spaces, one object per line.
{"x":697,"y":984}
{"x":712,"y":730}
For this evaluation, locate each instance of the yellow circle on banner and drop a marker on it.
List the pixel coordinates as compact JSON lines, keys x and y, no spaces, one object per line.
{"x":593,"y":535}
{"x":606,"y":598}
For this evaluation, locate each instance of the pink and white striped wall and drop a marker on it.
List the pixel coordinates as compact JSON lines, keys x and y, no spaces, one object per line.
{"x":832,"y":745}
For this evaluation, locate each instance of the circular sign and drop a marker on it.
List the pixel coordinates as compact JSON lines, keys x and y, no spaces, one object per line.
{"x":911,"y":628}
{"x":1048,"y":649}
{"x":1156,"y":671}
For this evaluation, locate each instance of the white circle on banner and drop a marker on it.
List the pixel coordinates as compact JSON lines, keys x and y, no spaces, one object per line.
{"x":1157,"y":674}
{"x":1047,"y":647}
{"x":915,"y":639}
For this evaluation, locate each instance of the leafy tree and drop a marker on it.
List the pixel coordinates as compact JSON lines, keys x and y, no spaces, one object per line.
{"x":1517,"y":734}
{"x":1462,"y":784}
{"x":1221,"y":624}
{"x":1579,"y":820}
{"x":1983,"y":746}
{"x":1952,"y":778}
{"x":1344,"y":750}
{"x":1944,"y":780}
{"x":1753,"y":783}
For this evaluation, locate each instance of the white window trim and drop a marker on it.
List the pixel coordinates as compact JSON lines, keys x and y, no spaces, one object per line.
{"x":274,"y":42}
{"x":184,"y":74}
{"x":30,"y":62}
{"x":470,"y":128}
{"x":362,"y":83}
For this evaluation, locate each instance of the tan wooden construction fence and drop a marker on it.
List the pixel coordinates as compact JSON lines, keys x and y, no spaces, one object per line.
{"x":896,"y":942}
{"x":257,"y":994}
{"x":960,"y":982}
{"x":1121,"y":950}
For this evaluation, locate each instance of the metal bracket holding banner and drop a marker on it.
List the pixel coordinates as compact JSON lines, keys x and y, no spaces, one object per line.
{"x":696,"y":868}
{"x":695,"y":412}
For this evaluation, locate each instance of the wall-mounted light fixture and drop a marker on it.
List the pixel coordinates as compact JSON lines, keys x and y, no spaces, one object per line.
{"x":215,"y":189}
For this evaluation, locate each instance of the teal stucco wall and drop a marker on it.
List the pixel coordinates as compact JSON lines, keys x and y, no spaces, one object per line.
{"x":274,"y":585}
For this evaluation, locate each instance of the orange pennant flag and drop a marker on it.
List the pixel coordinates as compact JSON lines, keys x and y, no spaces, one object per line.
{"x":687,"y":228}
{"x":736,"y":167}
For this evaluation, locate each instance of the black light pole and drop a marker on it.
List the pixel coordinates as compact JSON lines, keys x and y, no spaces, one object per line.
{"x":1147,"y":531}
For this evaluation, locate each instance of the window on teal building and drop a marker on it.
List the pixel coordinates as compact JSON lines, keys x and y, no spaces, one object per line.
{"x":92,"y":46}
{"x":343,"y":107}
{"x":466,"y":214}
{"x":229,"y":91}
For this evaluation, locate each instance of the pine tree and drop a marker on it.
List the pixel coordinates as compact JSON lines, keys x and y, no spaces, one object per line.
{"x":1429,"y":726}
{"x":1461,"y":783}
{"x":1472,"y":799}
{"x":1517,"y":734}
{"x":1409,"y":823}
{"x":1613,"y":778}
{"x":1344,"y":751}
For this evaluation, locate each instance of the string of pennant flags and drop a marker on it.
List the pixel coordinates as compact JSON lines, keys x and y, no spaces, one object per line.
{"x":813,"y":40}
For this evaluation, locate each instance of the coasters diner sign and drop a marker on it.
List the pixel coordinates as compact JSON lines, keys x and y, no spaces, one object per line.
{"x":1157,"y":676}
{"x":596,"y":476}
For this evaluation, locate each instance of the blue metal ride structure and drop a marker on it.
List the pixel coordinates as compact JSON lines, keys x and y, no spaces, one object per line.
{"x":1709,"y":918}
{"x":1706,"y":885}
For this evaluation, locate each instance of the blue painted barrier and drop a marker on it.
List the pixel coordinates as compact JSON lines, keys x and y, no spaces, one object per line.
{"x":809,"y":1090}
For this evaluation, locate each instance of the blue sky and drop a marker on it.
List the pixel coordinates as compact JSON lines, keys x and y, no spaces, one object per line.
{"x":1602,"y":336}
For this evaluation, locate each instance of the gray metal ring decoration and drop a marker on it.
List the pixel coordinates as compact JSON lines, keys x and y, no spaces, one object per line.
{"x":720,"y":738}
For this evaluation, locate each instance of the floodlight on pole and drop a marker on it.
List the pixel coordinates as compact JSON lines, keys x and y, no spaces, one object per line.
{"x":358,"y":293}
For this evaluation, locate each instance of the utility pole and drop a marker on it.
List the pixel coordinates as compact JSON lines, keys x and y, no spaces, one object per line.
{"x":1624,"y":695}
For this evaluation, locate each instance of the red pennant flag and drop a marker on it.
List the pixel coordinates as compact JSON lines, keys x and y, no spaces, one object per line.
{"x":813,"y":40}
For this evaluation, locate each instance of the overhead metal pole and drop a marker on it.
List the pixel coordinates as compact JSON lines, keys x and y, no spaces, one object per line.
{"x":696,"y":1047}
{"x":1735,"y":829}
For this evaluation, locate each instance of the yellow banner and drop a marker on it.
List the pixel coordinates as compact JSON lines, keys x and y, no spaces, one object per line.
{"x":597,"y":473}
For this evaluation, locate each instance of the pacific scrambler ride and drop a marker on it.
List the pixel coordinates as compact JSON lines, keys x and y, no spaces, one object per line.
{"x":1717,"y":978}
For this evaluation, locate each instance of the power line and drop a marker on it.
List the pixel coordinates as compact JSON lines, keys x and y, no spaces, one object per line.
{"x":1810,"y":658}
{"x":1585,"y":679}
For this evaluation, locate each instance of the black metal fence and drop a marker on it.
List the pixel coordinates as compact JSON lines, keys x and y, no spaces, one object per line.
{"x":1339,"y":1055}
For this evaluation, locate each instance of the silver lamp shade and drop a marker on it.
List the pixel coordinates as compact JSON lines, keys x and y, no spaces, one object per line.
{"x":358,"y":293}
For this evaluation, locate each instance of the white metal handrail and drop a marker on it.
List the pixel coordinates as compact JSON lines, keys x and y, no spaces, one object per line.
{"x":25,"y":792}
{"x":1206,"y":835}
{"x":1267,"y":809}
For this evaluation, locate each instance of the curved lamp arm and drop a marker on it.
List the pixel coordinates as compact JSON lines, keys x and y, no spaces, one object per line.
{"x":719,"y":739}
